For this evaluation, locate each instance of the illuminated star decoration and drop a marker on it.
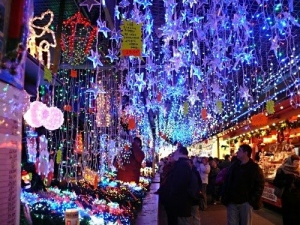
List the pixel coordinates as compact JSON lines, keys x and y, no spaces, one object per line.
{"x":140,"y":83}
{"x":244,"y":93}
{"x":89,"y":4}
{"x":111,"y":55}
{"x":195,"y":47}
{"x":216,"y":89}
{"x":124,"y":3}
{"x":196,"y":71}
{"x":117,"y":12}
{"x":275,"y":45}
{"x":95,"y":58}
{"x":116,"y":35}
{"x":102,"y":27}
{"x":193,"y":97}
{"x":96,"y":89}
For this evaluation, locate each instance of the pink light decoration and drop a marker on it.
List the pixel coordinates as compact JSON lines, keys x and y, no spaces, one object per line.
{"x":54,"y":120}
{"x":37,"y":112}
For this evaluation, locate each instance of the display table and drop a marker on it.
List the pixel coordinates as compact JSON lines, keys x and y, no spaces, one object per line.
{"x":149,"y":213}
{"x":268,"y":194}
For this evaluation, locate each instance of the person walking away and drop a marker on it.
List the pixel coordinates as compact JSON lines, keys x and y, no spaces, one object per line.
{"x":175,"y":191}
{"x":212,"y":187}
{"x":204,"y":169}
{"x":243,"y":188}
{"x":195,"y":211}
{"x":287,"y":177}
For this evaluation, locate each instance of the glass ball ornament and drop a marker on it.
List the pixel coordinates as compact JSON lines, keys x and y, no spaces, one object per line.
{"x":54,"y":120}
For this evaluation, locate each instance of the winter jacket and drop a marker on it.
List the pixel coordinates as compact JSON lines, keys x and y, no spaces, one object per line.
{"x":204,"y":171}
{"x":173,"y":193}
{"x":243,"y":183}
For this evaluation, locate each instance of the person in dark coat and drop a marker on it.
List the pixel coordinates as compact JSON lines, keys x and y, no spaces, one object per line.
{"x":243,"y":188}
{"x":225,"y":163}
{"x":212,"y":187}
{"x":129,"y":163}
{"x":174,"y":192}
{"x":287,"y":177}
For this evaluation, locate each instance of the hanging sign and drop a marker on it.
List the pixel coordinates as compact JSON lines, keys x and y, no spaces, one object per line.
{"x":132,"y":38}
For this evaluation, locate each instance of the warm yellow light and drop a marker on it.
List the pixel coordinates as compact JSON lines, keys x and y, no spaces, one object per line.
{"x":35,"y":32}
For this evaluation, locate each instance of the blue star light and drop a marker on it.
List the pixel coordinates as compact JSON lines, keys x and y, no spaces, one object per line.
{"x":140,"y":83}
{"x":124,"y":3}
{"x":117,"y":12}
{"x":95,"y":58}
{"x":116,"y":35}
{"x":111,"y":55}
{"x":102,"y":27}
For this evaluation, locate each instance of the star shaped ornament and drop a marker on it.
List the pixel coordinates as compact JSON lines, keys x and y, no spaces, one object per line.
{"x":102,"y":27}
{"x":244,"y":93}
{"x":124,"y":3}
{"x":89,"y":4}
{"x":95,"y":58}
{"x":193,"y":97}
{"x":116,"y":35}
{"x":216,"y":89}
{"x":111,"y":55}
{"x":140,"y":83}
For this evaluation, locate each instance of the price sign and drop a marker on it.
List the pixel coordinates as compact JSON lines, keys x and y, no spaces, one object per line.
{"x":132,"y":38}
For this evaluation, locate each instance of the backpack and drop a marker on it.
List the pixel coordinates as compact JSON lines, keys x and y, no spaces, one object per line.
{"x":194,"y":189}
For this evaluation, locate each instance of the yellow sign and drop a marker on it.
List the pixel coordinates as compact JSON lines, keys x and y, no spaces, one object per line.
{"x":47,"y":74}
{"x":132,"y":39}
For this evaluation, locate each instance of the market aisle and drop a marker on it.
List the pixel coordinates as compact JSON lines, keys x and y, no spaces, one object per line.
{"x":216,"y":215}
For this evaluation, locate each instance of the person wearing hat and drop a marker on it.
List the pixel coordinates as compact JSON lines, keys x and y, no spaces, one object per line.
{"x":288,"y":178}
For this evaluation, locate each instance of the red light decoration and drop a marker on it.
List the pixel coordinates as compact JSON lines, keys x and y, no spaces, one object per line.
{"x":78,"y":36}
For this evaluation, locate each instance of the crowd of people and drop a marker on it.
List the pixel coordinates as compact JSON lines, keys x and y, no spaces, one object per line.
{"x":236,"y":181}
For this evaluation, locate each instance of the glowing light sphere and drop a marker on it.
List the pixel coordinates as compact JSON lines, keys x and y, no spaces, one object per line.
{"x":36,"y":113}
{"x":54,"y":120}
{"x":39,"y":112}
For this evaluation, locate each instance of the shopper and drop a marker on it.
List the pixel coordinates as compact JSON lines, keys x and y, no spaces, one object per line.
{"x":287,"y":178}
{"x":243,"y":188}
{"x":204,"y":169}
{"x":129,"y":162}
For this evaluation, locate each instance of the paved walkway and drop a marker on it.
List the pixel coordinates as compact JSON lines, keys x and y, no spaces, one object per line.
{"x":216,"y":215}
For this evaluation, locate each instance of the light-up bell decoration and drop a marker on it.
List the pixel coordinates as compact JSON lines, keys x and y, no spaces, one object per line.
{"x":40,"y":115}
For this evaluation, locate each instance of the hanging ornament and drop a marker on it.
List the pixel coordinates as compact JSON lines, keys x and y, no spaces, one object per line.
{"x":36,"y":114}
{"x":59,"y":156}
{"x":54,"y":120}
{"x":219,"y":106}
{"x":185,"y":108}
{"x":131,"y":123}
{"x":68,"y":108}
{"x":78,"y":143}
{"x":159,"y":96}
{"x":270,"y":107}
{"x":89,"y":4}
{"x":78,"y":36}
{"x":204,"y":114}
{"x":259,"y":120}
